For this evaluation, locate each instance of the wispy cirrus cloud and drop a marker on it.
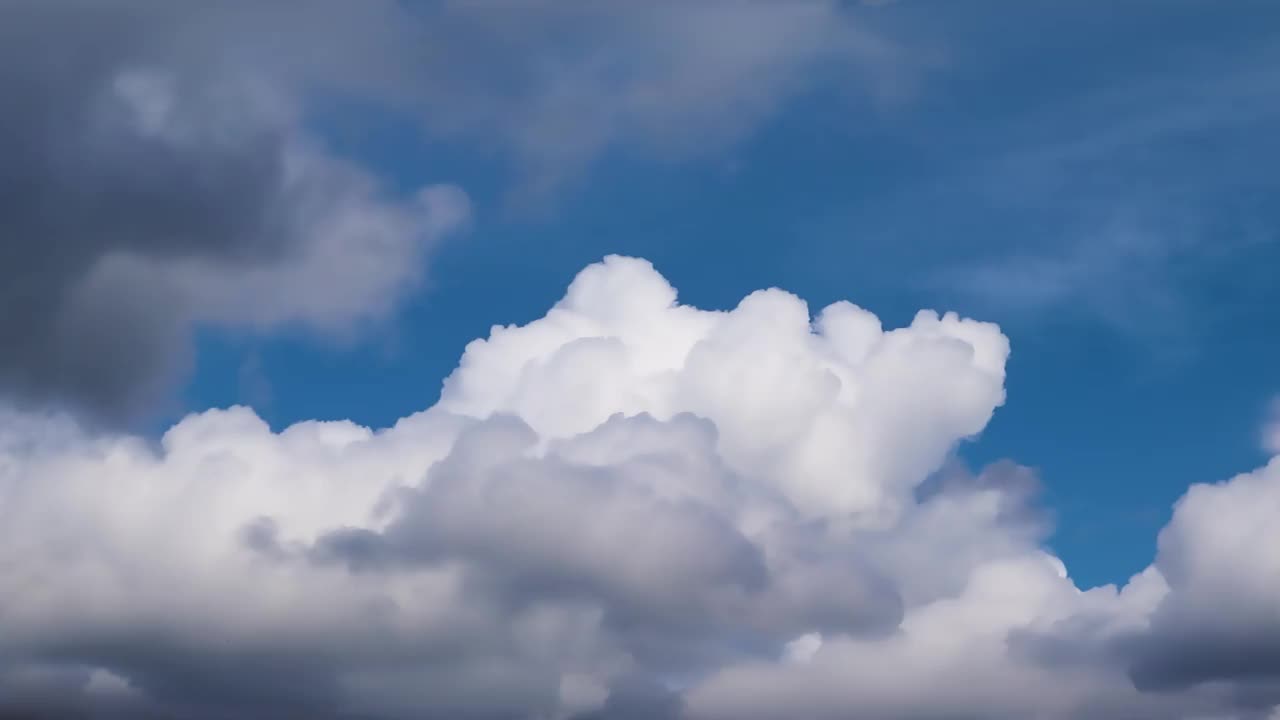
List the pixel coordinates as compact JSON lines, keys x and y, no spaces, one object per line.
{"x":1103,"y":174}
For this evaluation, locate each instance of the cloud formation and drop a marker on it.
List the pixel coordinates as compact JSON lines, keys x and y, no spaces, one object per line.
{"x":627,"y":508}
{"x":163,"y":170}
{"x":153,"y":182}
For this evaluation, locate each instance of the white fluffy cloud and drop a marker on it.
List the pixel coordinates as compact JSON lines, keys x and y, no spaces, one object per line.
{"x":627,"y":508}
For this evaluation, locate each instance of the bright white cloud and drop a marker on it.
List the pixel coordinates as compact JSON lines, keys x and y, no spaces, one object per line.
{"x":628,"y":507}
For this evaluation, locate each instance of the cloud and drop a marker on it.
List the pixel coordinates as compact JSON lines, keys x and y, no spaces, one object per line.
{"x":1219,"y":620}
{"x":1116,"y":273}
{"x":1271,"y":428}
{"x":163,"y":168}
{"x":603,"y":494}
{"x":1210,"y":626}
{"x":666,"y":77}
{"x":152,"y":184}
{"x":627,"y":508}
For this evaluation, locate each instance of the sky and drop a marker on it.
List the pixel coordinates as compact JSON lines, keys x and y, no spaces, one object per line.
{"x":726,"y":359}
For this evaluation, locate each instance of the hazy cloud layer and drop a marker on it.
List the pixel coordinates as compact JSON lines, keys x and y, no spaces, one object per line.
{"x":627,"y":508}
{"x":579,"y":78}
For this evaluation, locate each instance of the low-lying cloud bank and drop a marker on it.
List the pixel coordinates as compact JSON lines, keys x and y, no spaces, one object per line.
{"x":629,"y":508}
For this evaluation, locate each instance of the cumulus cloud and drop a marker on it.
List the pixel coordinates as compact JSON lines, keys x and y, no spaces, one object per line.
{"x":1211,"y":628}
{"x":1220,"y":619}
{"x":626,"y":508}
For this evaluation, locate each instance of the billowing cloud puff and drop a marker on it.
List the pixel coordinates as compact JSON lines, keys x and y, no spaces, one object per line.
{"x":627,"y":508}
{"x":1221,"y":558}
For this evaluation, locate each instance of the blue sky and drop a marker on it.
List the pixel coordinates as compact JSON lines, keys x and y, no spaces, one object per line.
{"x":1099,"y":181}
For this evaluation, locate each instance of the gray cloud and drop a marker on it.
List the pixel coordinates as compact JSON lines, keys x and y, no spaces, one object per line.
{"x":638,"y":699}
{"x":1184,"y":655}
{"x":666,"y":77}
{"x":153,"y":180}
{"x":159,"y":173}
{"x":679,"y":585}
{"x":1219,"y":622}
{"x":1213,"y":625}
